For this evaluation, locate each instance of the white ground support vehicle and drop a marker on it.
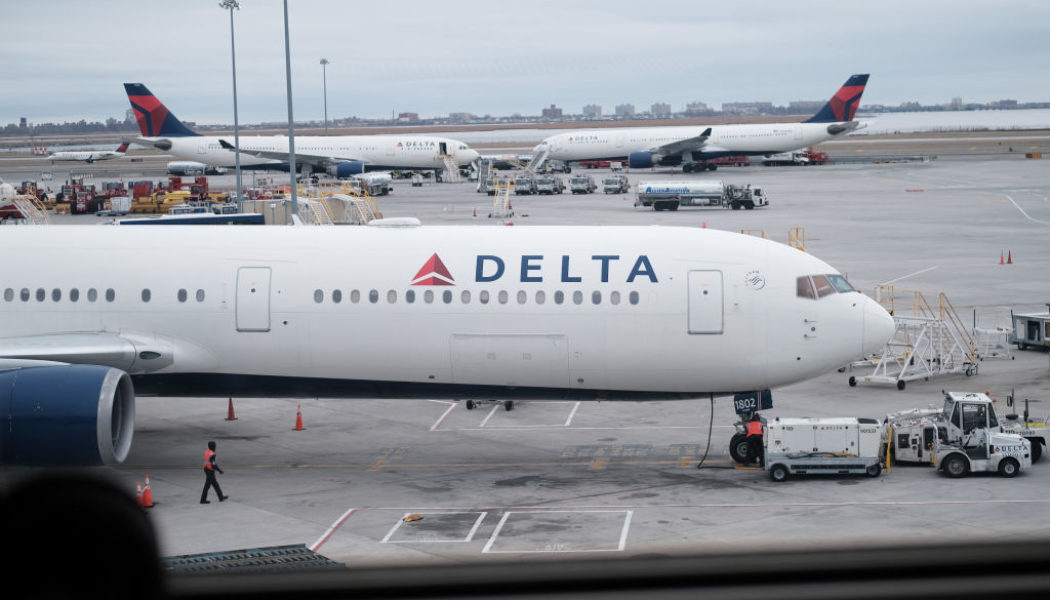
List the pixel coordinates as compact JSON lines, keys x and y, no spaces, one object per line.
{"x":582,"y":184}
{"x":1033,"y":429}
{"x":963,"y":436}
{"x":822,"y":446}
{"x":616,"y":184}
{"x":549,"y":184}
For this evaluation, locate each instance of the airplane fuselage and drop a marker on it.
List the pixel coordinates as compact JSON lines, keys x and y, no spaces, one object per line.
{"x":377,"y":152}
{"x":725,"y":140}
{"x":85,"y":156}
{"x":548,"y":311}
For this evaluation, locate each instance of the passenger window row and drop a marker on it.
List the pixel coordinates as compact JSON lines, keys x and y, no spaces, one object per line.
{"x":91,"y":295}
{"x":466,"y":297}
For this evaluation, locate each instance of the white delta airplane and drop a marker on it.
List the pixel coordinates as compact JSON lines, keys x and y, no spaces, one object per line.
{"x":339,"y":155}
{"x":692,"y":146}
{"x":90,"y":156}
{"x":584,"y":313}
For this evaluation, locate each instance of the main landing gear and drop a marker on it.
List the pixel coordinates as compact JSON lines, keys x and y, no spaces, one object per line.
{"x":507,"y":404}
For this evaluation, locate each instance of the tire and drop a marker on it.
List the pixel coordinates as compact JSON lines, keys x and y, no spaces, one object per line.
{"x":1009,"y":467}
{"x":779,"y":473}
{"x":955,"y":466}
{"x":873,"y":470}
{"x":852,"y":381}
{"x":508,"y":405}
{"x":901,"y":384}
{"x":470,"y":405}
{"x":1037,"y":449}
{"x":749,"y":205}
{"x":740,"y":449}
{"x":735,"y":205}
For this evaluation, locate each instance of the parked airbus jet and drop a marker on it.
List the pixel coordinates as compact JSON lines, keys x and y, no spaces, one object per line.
{"x":341,"y":155}
{"x":591,"y":313}
{"x":691,"y":147}
{"x":90,"y":156}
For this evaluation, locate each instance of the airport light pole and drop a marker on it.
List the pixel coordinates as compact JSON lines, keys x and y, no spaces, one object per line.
{"x":230,"y":5}
{"x":324,"y":84}
{"x":291,"y":119}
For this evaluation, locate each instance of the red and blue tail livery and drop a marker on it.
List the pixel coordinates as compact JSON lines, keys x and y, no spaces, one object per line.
{"x":843,"y":105}
{"x":155,"y":120}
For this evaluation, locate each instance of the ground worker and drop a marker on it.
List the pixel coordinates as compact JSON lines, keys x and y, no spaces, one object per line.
{"x":209,"y":475}
{"x":754,"y":438}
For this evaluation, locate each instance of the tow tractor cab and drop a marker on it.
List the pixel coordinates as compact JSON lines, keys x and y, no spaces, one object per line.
{"x":963,"y":436}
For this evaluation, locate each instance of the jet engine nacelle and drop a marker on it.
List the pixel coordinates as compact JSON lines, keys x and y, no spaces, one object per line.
{"x":347,"y":169}
{"x":64,"y":415}
{"x":640,"y":160}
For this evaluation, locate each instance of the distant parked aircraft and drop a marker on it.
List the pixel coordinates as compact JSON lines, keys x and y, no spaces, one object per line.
{"x":692,"y":146}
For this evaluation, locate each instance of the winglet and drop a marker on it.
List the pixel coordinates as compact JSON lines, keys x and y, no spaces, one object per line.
{"x":154,"y":118}
{"x":843,"y":105}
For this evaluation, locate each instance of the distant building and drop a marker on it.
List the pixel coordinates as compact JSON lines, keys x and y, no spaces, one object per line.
{"x":660,"y":110}
{"x":1003,"y":104}
{"x":592,"y":111}
{"x":460,"y":117}
{"x":624,"y":110}
{"x":552,"y":113}
{"x":697,"y":108}
{"x":747,"y":108}
{"x":410,"y":117}
{"x":956,"y":104}
{"x":22,"y":124}
{"x":805,"y":107}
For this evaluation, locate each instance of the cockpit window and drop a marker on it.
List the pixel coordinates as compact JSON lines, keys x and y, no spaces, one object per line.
{"x":805,"y":288}
{"x":841,"y":284}
{"x":823,"y":286}
{"x":818,"y":286}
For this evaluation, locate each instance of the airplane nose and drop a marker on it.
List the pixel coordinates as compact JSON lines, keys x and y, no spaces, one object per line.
{"x":878,"y":327}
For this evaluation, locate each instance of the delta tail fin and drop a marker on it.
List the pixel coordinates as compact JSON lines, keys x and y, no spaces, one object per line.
{"x":155,"y":120}
{"x":843,"y":105}
{"x":123,"y":147}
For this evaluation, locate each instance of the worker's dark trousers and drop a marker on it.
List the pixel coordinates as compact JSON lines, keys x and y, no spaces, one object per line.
{"x":209,"y":481}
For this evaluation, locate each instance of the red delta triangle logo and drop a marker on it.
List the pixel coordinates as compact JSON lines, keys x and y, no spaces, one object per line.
{"x":434,"y":272}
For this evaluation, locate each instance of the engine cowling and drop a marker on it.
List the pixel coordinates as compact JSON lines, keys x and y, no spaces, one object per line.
{"x":640,"y":160}
{"x":347,"y":169}
{"x":65,"y":415}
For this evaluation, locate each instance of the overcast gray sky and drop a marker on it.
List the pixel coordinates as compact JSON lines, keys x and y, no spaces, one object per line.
{"x":67,"y":59}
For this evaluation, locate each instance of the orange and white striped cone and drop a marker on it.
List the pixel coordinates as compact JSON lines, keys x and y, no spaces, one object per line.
{"x":299,"y":418}
{"x":147,"y":495}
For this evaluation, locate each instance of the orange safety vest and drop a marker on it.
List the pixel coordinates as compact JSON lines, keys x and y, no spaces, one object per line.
{"x":754,"y":428}
{"x":208,"y":454}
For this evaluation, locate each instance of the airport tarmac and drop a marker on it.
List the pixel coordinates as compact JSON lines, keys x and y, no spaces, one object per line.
{"x":553,"y":480}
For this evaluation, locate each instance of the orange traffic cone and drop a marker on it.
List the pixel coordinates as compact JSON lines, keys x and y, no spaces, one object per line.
{"x":1009,"y":258}
{"x":138,"y":493}
{"x":229,"y":411}
{"x":1001,"y":258}
{"x":475,"y":212}
{"x":299,"y":418}
{"x":147,"y":495}
{"x":703,"y":225}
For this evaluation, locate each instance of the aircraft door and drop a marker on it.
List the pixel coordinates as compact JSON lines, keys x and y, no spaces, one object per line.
{"x":443,"y":148}
{"x":253,"y":299}
{"x":706,"y":302}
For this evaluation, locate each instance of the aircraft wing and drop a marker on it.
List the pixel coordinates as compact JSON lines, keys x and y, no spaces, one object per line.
{"x":300,"y":158}
{"x":128,"y":351}
{"x":694,"y":144}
